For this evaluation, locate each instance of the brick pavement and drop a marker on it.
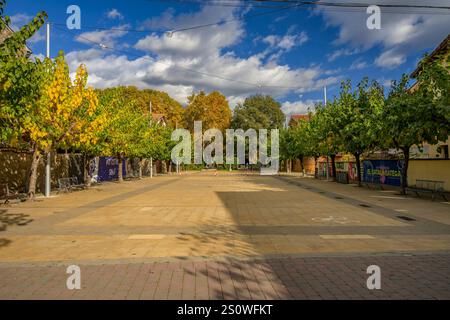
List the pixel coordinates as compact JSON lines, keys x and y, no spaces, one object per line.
{"x":224,"y":237}
{"x":402,"y":277}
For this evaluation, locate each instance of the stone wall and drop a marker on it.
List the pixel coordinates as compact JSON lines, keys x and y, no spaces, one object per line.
{"x":15,"y":169}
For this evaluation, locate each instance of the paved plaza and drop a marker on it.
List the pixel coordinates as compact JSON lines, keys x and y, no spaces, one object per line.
{"x":225,"y":235}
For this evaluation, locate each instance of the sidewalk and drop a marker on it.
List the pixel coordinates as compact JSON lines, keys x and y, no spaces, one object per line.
{"x":402,"y":277}
{"x":437,"y":210}
{"x":207,"y":236}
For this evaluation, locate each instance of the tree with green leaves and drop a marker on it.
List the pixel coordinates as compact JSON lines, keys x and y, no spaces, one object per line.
{"x":123,"y":127}
{"x":151,"y":141}
{"x":314,"y":135}
{"x":258,"y":112}
{"x":412,"y":117}
{"x":164,"y":145}
{"x":327,"y":127}
{"x":287,"y":148}
{"x":294,"y":143}
{"x":359,"y":115}
{"x":20,"y":78}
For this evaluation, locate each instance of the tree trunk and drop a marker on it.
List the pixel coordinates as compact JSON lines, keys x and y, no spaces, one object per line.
{"x":120,"y":172}
{"x":33,"y":174}
{"x":358,"y":168}
{"x":404,"y":181}
{"x":333,"y":166}
{"x":316,"y":170}
{"x":170,"y":167}
{"x":140,"y":167}
{"x":87,"y":177}
{"x":302,"y":169}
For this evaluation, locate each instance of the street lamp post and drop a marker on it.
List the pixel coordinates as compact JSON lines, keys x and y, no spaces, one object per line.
{"x":151,"y":158}
{"x":48,"y":160}
{"x":325,"y":99}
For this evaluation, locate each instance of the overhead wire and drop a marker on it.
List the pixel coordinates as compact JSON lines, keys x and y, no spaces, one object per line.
{"x":206,"y":74}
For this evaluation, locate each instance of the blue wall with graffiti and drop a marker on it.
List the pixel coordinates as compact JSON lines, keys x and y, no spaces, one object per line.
{"x":108,"y":168}
{"x":382,"y":171}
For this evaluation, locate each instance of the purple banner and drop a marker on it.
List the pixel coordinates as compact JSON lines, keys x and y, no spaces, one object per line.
{"x":108,"y":168}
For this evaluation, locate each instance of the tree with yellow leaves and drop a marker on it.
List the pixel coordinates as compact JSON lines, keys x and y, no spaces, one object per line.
{"x":212,"y":109}
{"x":60,"y":116}
{"x":162,"y":103}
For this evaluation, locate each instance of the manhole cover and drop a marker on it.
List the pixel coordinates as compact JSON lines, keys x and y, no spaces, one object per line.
{"x":365,"y":205}
{"x":406,"y":218}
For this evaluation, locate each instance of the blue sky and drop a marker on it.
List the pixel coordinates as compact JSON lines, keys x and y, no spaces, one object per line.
{"x":290,"y":54}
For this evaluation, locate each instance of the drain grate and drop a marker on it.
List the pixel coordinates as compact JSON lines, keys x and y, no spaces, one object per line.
{"x":365,"y":205}
{"x":406,"y":218}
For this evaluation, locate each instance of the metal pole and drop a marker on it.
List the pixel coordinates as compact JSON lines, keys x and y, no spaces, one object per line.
{"x":48,"y":40}
{"x":48,"y":162}
{"x":325,"y":99}
{"x":151,"y":158}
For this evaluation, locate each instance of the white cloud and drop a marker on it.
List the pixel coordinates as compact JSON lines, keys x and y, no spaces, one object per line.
{"x":192,"y":43}
{"x":105,"y":37}
{"x":342,"y":53}
{"x":403,"y":31}
{"x":286,"y":42}
{"x":278,"y":45}
{"x":298,"y":107}
{"x":207,"y":51}
{"x":21,"y":19}
{"x":107,"y":70}
{"x":358,"y":65}
{"x":114,"y":14}
{"x":385,"y":82}
{"x":390,"y":59}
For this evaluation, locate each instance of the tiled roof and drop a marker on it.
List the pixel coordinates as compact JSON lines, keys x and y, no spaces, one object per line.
{"x":6,"y":33}
{"x":304,"y":117}
{"x":442,"y":48}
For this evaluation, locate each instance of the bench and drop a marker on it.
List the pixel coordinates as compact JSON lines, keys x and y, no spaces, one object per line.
{"x":67,"y":184}
{"x":6,"y":194}
{"x":428,"y":186}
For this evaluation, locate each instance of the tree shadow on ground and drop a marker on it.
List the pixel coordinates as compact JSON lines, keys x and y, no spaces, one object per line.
{"x":13,"y":219}
{"x":4,"y":242}
{"x":242,"y":270}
